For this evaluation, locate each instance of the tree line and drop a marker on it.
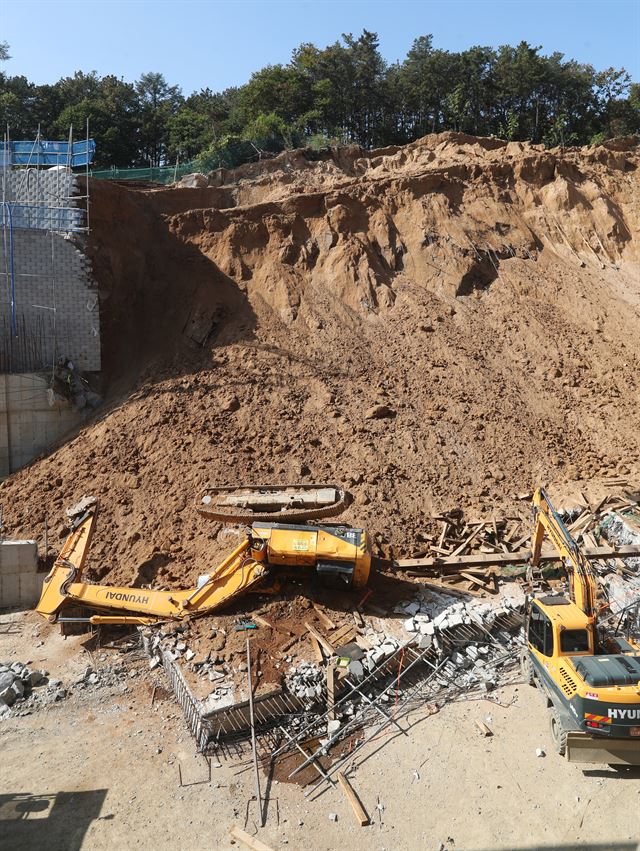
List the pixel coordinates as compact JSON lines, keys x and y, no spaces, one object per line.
{"x":344,"y":93}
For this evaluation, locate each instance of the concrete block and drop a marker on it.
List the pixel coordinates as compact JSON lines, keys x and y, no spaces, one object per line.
{"x":18,"y":557}
{"x":30,"y":589}
{"x":9,"y":590}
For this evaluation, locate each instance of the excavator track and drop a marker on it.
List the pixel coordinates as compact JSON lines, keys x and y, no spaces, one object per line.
{"x":266,"y":503}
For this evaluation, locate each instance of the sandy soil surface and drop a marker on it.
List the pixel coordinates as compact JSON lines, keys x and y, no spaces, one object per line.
{"x":100,"y":770}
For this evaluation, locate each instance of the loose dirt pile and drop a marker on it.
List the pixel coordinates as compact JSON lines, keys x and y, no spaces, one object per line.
{"x":443,"y":324}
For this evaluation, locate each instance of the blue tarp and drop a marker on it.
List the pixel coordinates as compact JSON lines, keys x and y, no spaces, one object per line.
{"x":48,"y":153}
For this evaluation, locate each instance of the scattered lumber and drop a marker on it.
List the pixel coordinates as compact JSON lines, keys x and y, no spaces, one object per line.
{"x":358,"y":810}
{"x":249,"y":841}
{"x":322,"y":641}
{"x":463,"y":562}
{"x":326,"y":620}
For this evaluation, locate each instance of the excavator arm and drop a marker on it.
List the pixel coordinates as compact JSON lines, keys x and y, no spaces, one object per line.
{"x":240,"y":570}
{"x":583,"y":585}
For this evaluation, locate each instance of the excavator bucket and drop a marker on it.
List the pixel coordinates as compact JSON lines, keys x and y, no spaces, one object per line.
{"x":68,"y":566}
{"x":294,"y":503}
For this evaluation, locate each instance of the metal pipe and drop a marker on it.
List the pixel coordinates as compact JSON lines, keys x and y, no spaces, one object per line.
{"x":254,"y":748}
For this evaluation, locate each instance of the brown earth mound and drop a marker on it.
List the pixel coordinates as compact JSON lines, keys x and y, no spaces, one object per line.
{"x":441,"y":324}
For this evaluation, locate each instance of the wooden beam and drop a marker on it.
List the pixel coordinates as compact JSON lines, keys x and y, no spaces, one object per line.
{"x":326,"y":620}
{"x":479,"y":582}
{"x":358,"y":810}
{"x":317,"y":649}
{"x":249,"y":841}
{"x":521,"y":557}
{"x":326,"y":645}
{"x":467,"y":540}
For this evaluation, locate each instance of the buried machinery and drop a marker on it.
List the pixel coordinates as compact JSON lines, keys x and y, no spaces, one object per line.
{"x":336,"y":556}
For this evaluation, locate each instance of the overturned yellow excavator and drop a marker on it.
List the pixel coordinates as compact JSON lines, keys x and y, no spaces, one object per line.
{"x":333,"y":555}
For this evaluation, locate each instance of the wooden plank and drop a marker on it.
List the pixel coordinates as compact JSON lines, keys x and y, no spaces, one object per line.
{"x":317,"y":649}
{"x":467,"y":540}
{"x":342,"y":630}
{"x":358,"y":810}
{"x":250,"y":841}
{"x":477,"y":581}
{"x":326,"y":620}
{"x":326,"y":645}
{"x":448,"y":589}
{"x":522,"y":557}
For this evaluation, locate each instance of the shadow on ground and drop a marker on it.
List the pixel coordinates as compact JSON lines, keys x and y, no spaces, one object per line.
{"x":48,"y":821}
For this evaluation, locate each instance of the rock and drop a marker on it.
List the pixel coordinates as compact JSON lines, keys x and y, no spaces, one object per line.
{"x":333,"y":726}
{"x":356,"y":669}
{"x":6,"y":679}
{"x":197,"y":180}
{"x":540,"y":752}
{"x":230,"y":404}
{"x":189,"y":655}
{"x":333,"y":816}
{"x":37,"y":678}
{"x":379,"y":412}
{"x":409,"y":625}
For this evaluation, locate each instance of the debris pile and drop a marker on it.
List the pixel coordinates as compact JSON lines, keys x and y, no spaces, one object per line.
{"x":305,"y":681}
{"x":17,"y":682}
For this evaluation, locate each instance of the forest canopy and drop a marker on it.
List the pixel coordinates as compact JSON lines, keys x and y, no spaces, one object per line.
{"x":344,"y":93}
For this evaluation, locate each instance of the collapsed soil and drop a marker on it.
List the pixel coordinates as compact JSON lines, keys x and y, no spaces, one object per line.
{"x":444,"y":324}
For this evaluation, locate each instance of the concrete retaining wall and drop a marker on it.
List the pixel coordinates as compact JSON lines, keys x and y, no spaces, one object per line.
{"x":20,"y":583}
{"x":28,"y":424}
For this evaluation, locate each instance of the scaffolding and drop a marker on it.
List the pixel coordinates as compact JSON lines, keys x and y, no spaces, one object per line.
{"x":39,"y":195}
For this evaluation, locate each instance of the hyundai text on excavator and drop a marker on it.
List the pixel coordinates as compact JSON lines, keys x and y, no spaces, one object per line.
{"x":589,"y":675}
{"x":333,"y":555}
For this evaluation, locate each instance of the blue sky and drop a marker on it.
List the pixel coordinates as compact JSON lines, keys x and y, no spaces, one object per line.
{"x":215,"y":43}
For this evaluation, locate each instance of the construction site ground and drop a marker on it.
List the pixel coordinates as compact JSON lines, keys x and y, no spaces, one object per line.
{"x":100,"y":770}
{"x":439,"y":328}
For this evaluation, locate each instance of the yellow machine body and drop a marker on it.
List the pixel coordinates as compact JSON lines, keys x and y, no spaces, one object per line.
{"x":337,"y":556}
{"x":592,"y":680}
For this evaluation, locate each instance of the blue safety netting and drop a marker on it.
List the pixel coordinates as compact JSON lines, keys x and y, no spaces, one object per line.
{"x":38,"y":153}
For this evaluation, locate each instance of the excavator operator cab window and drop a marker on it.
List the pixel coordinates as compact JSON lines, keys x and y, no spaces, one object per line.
{"x":574,"y":641}
{"x":540,"y":633}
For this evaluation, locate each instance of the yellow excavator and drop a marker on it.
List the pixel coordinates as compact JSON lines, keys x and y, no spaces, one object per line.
{"x":589,"y":675}
{"x":335,"y":555}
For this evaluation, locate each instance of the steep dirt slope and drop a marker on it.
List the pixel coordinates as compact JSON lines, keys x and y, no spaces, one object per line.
{"x":487,"y":294}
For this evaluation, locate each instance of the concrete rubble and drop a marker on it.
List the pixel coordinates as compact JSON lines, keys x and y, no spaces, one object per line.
{"x":17,"y":682}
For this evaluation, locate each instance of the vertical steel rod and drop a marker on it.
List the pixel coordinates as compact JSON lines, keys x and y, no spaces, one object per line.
{"x":254,"y":748}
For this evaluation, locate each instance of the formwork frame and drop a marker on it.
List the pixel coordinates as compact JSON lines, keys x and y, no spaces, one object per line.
{"x":57,"y":213}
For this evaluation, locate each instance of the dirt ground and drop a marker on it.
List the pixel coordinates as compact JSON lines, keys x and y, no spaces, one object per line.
{"x":100,"y":770}
{"x":486,"y":293}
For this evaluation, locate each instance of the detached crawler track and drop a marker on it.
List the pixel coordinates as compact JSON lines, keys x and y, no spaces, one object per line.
{"x":234,"y":514}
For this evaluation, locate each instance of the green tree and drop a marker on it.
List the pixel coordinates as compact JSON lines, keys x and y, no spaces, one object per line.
{"x":189,"y":133}
{"x":158,"y":103}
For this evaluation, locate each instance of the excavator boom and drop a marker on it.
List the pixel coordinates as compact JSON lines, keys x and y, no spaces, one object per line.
{"x":239,"y":571}
{"x":583,"y":585}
